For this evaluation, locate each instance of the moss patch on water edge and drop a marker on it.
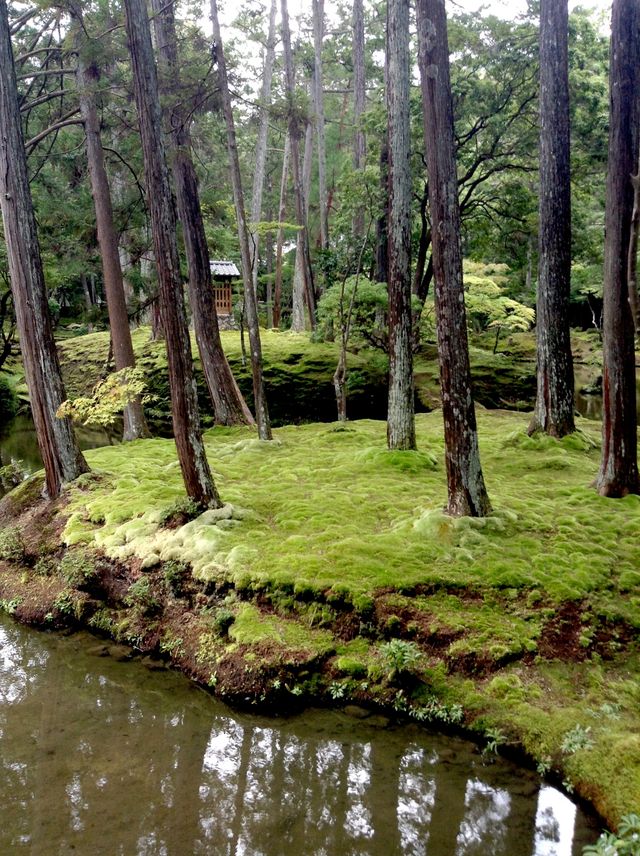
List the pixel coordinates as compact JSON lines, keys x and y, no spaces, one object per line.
{"x":332,"y":573}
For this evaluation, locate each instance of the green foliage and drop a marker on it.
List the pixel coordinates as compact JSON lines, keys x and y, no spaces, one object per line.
{"x":11,"y":475}
{"x":77,"y":568}
{"x":625,"y":843}
{"x":495,"y":738}
{"x":487,"y":305}
{"x":182,"y":509}
{"x":108,"y":399}
{"x":223,"y":618}
{"x":368,"y":323}
{"x":140,"y":596}
{"x":12,"y":547}
{"x":577,"y":739}
{"x":175,"y":575}
{"x":400,"y":657}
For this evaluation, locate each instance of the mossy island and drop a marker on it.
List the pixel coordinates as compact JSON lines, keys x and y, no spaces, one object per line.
{"x":332,"y":576}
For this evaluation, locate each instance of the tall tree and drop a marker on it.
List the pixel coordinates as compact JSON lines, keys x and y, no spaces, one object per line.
{"x":261,"y":144}
{"x":467,"y":494}
{"x":359,"y":100}
{"x":62,"y":458}
{"x":282,"y":207}
{"x":184,"y":399}
{"x":295,"y":135}
{"x":618,"y":474}
{"x":228,"y":404}
{"x":318,"y":106}
{"x":298,"y":290}
{"x":400,"y":417}
{"x":88,"y":78}
{"x":250,"y":301}
{"x":553,"y":412}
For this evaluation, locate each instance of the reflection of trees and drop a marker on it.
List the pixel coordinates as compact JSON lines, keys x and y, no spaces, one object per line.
{"x":103,"y":757}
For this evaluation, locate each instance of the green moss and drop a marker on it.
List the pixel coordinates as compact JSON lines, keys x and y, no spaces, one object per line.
{"x":251,"y":627}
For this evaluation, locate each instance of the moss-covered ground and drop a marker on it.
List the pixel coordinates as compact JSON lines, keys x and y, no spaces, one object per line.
{"x":299,"y":375}
{"x":332,"y":574}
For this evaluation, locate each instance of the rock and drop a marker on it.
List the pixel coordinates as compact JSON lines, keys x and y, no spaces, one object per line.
{"x":119,"y":653}
{"x":356,"y":712}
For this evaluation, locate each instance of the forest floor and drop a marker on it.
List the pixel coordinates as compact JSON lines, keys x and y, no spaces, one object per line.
{"x":331,"y":575}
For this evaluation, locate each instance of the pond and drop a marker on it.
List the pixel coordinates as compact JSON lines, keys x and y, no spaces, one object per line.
{"x":101,"y":755}
{"x":19,"y":446}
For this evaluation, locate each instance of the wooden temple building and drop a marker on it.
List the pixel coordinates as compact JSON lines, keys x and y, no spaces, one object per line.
{"x":222,"y":274}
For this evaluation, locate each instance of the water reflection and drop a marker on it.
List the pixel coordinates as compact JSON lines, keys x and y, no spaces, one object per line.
{"x":105,"y":757}
{"x":19,"y":446}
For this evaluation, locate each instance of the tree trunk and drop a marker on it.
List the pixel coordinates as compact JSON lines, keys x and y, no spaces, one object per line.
{"x":298,"y":182}
{"x":632,"y":260}
{"x":250,"y":303}
{"x":618,"y":474}
{"x":87,"y":77}
{"x":282,"y":208}
{"x":61,"y":456}
{"x":466,"y":489}
{"x":318,"y":103}
{"x":184,"y":399}
{"x":553,"y":412}
{"x":261,"y":145}
{"x":229,"y":406}
{"x":299,"y":292}
{"x":381,"y":273}
{"x":359,"y":101}
{"x":400,"y":416}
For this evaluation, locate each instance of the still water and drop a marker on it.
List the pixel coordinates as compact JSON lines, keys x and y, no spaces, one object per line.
{"x":99,"y":756}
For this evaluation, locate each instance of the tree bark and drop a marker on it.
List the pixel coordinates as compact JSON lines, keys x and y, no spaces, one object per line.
{"x":618,"y":474}
{"x":184,"y":400}
{"x":229,"y":405}
{"x":298,"y":183}
{"x":282,"y":208}
{"x":88,"y":76}
{"x":318,"y":102}
{"x":467,"y":494}
{"x":400,"y":416}
{"x":61,"y":456}
{"x":261,"y":145}
{"x":299,"y":295}
{"x":553,"y":411}
{"x":359,"y":101}
{"x":250,"y":303}
{"x":382,"y":225}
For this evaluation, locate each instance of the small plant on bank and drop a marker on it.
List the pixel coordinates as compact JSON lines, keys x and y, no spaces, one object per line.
{"x":77,"y":569}
{"x":180,"y":512}
{"x":495,"y":738}
{"x":222,"y":621}
{"x":175,"y":575}
{"x":625,"y":843}
{"x":578,"y":738}
{"x":10,"y":605}
{"x":12,"y":547}
{"x":400,"y":658}
{"x":46,"y":566}
{"x":434,"y":710}
{"x":140,"y":596}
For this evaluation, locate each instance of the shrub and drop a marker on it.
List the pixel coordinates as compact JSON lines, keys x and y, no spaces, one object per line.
{"x":400,"y":657}
{"x":12,"y":547}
